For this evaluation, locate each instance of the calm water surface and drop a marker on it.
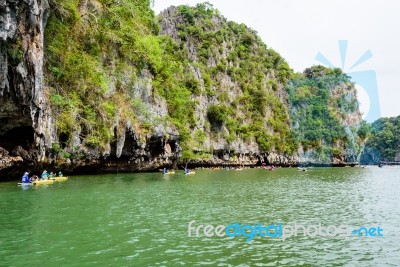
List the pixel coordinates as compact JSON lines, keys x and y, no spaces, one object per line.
{"x":142,"y":219}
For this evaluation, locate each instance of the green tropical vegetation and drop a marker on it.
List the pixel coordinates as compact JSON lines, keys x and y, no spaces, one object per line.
{"x":217,"y":78}
{"x":321,"y":100}
{"x":383,"y":142}
{"x":94,"y":60}
{"x":239,"y":74}
{"x":95,"y":57}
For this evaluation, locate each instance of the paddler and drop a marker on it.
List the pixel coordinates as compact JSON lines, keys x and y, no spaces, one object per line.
{"x":25,"y":178}
{"x":45,"y":175}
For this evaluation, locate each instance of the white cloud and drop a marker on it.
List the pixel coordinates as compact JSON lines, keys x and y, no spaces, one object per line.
{"x":299,"y":29}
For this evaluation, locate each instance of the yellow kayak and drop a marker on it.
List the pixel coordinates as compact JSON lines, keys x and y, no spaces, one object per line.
{"x":171,"y":172}
{"x":191,"y":172}
{"x":40,"y":182}
{"x":59,"y":179}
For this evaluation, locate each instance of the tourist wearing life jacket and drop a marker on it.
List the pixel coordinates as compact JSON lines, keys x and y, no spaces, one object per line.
{"x":45,"y":175}
{"x":25,"y":178}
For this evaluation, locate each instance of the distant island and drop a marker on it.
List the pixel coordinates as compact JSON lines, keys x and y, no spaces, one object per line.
{"x":91,"y":86}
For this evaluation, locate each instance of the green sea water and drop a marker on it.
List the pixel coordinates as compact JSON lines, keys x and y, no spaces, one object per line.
{"x":142,"y":219}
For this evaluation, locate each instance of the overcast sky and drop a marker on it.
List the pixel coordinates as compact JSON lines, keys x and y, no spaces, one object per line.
{"x":299,"y":29}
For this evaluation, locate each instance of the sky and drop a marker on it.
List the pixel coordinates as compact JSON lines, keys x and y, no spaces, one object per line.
{"x":300,"y":29}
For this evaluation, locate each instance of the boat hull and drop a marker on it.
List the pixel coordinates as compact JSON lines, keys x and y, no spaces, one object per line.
{"x":59,"y":179}
{"x":43,"y":182}
{"x":40,"y":182}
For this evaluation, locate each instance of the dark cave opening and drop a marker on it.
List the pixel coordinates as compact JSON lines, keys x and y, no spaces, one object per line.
{"x":17,"y":136}
{"x":155,"y":146}
{"x":172,"y":144}
{"x":128,"y":150}
{"x":63,"y":138}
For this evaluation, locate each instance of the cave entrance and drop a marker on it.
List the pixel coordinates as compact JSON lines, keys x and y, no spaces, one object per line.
{"x":63,"y":138}
{"x":17,"y":136}
{"x":155,"y":146}
{"x":172,"y":145}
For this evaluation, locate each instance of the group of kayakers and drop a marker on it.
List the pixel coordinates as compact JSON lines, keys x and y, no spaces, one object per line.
{"x":45,"y":176}
{"x":186,"y":171}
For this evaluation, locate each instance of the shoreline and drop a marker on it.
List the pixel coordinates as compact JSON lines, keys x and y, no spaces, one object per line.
{"x":93,"y":170}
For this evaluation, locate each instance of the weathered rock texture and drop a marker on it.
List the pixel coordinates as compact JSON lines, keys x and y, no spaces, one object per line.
{"x":23,"y":105}
{"x":28,"y":121}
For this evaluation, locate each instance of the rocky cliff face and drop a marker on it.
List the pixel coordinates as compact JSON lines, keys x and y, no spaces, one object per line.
{"x":325,"y":116}
{"x":383,"y":144}
{"x":232,"y":55}
{"x":236,"y":72}
{"x":25,"y":115}
{"x":29,"y":130}
{"x":96,"y":86}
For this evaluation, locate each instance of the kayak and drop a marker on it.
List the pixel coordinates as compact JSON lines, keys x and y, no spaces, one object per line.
{"x":191,"y":172}
{"x":171,"y":172}
{"x":40,"y":182}
{"x":25,"y":184}
{"x":59,"y":179}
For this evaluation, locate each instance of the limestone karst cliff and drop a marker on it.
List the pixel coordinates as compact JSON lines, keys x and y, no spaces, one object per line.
{"x":107,"y":85}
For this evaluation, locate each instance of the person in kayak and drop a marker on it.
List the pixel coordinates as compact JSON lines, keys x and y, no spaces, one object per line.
{"x":45,"y":175}
{"x":25,"y":178}
{"x":60,"y":174}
